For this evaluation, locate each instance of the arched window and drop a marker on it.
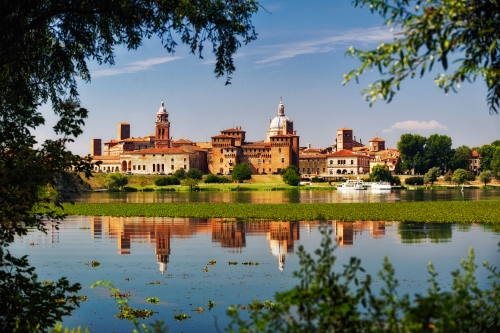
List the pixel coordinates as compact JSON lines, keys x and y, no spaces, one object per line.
{"x":331,"y":172}
{"x":222,"y":160}
{"x":331,"y":162}
{"x":279,"y":150}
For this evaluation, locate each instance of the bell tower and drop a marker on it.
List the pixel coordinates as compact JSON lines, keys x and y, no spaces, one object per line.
{"x":162,"y":128}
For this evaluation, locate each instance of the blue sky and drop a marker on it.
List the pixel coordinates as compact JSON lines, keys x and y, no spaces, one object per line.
{"x":300,"y":56}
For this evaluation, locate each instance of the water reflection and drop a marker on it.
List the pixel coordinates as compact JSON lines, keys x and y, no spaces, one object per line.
{"x":419,"y":232}
{"x":292,"y":196}
{"x":172,"y":252}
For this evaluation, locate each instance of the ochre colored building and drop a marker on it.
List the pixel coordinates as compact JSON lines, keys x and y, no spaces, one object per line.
{"x":278,"y":151}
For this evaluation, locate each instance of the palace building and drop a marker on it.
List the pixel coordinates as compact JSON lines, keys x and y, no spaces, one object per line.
{"x":155,"y":153}
{"x":279,"y":150}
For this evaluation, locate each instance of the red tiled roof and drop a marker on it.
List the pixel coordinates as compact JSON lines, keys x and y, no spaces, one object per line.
{"x":232,"y":130}
{"x":183,"y":141}
{"x":159,"y":151}
{"x":377,"y":139}
{"x":475,"y":154}
{"x":344,"y":152}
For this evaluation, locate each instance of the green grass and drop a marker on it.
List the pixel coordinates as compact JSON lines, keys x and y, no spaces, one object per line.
{"x":486,"y":211}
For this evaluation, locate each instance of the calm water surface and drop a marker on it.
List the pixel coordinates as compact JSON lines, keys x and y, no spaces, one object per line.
{"x":166,"y":257}
{"x":302,"y":196}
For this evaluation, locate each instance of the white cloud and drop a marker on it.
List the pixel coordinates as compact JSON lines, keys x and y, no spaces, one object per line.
{"x":133,"y":67}
{"x":326,"y":44}
{"x":415,"y":125}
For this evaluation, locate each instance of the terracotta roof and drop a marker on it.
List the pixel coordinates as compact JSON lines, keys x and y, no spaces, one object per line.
{"x":475,"y":154}
{"x":221,"y":136}
{"x":344,"y":152}
{"x":183,"y":141}
{"x":344,"y":128}
{"x":160,"y":151}
{"x":204,"y":145}
{"x":377,"y":139}
{"x":234,"y":129}
{"x":111,"y":141}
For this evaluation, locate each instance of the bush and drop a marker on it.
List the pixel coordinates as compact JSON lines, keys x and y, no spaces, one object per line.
{"x":180,"y":173}
{"x":211,"y":179}
{"x":331,"y":299}
{"x":194,"y":173}
{"x":130,"y":189}
{"x":414,"y":181}
{"x":241,"y":172}
{"x":167,"y":180}
{"x":317,"y":180}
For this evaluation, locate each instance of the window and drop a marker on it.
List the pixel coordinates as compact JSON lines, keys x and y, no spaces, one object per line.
{"x":172,"y":167}
{"x":352,"y":162}
{"x":184,"y":166}
{"x":279,"y":150}
{"x":331,"y":162}
{"x":143,"y":167}
{"x":282,"y":160}
{"x":154,"y":168}
{"x":184,"y":159}
{"x":172,"y":160}
{"x":331,"y":172}
{"x":258,"y":161}
{"x":222,"y":160}
{"x":221,"y":151}
{"x":133,"y":167}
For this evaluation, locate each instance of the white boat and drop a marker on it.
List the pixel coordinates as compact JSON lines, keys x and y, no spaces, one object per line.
{"x":352,"y":185}
{"x":381,"y":186}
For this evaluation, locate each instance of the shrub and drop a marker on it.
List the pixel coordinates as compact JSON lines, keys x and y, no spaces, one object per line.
{"x":414,"y":181}
{"x":167,"y":180}
{"x":211,"y":179}
{"x":331,"y":299}
{"x":194,"y":173}
{"x":317,"y":180}
{"x":130,"y":189}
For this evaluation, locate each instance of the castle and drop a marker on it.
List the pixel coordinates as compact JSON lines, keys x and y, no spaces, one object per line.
{"x":159,"y":153}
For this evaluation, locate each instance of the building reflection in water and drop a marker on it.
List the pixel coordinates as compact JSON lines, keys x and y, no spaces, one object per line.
{"x":346,"y":232}
{"x":229,"y":233}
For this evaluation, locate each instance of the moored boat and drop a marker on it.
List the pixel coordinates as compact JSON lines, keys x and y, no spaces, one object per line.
{"x":381,"y":186}
{"x":349,"y":184}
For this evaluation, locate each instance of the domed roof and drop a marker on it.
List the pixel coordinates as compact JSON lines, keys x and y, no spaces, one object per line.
{"x":278,"y":121}
{"x":162,"y":109}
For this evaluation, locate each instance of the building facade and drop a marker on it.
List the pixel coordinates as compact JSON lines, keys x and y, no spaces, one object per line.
{"x":279,"y":150}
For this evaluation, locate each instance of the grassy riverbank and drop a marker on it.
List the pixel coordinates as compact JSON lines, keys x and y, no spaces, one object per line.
{"x":485,"y":211}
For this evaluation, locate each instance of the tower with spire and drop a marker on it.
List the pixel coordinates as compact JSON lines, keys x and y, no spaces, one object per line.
{"x":162,"y":128}
{"x":279,"y":124}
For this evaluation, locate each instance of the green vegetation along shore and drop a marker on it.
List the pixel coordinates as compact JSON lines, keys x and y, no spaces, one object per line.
{"x":485,"y":211}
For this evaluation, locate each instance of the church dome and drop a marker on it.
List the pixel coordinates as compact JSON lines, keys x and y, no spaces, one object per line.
{"x":279,"y":120}
{"x":162,"y":109}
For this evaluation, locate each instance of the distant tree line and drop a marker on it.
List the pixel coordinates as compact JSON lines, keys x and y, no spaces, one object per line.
{"x":420,"y":154}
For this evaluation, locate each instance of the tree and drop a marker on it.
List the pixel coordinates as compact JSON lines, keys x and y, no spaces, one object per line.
{"x":45,"y":47}
{"x":432,"y":175}
{"x":412,"y":151}
{"x":448,"y":176}
{"x":291,"y":175}
{"x":192,"y":183}
{"x":438,"y":151}
{"x":434,"y":30}
{"x":461,"y":158}
{"x":116,"y":181}
{"x":486,"y":152}
{"x":241,"y":172}
{"x":380,"y":173}
{"x":459,"y":176}
{"x":194,"y":173}
{"x":180,"y":173}
{"x":485,"y":177}
{"x":495,"y":163}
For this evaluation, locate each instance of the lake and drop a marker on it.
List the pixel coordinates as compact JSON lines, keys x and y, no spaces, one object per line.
{"x":292,"y":196}
{"x":169,"y":258}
